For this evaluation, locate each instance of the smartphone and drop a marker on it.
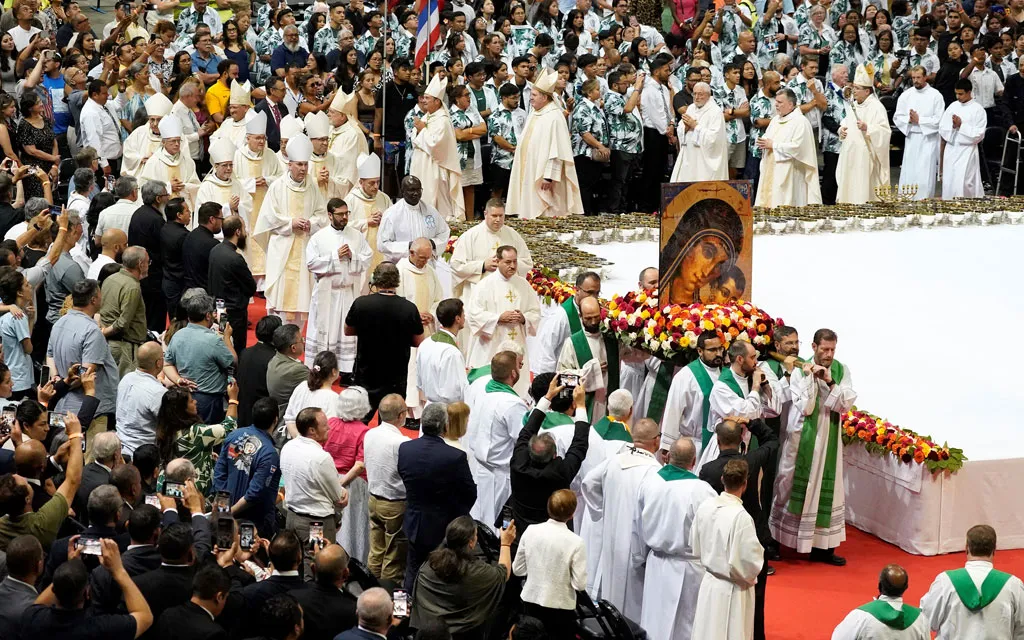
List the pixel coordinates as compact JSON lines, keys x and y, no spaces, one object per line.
{"x":174,"y":489}
{"x":89,"y":545}
{"x":506,"y":516}
{"x":57,"y":419}
{"x":222,"y":311}
{"x":110,"y":183}
{"x":55,"y":211}
{"x":401,"y":600}
{"x":225,"y":531}
{"x":568,"y":380}
{"x":153,"y":500}
{"x":222,"y":502}
{"x":246,"y":535}
{"x":7,"y":421}
{"x":44,"y":375}
{"x":316,"y":531}
{"x":7,"y":165}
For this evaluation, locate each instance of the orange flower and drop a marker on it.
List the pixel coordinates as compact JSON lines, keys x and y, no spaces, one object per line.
{"x":919,"y":456}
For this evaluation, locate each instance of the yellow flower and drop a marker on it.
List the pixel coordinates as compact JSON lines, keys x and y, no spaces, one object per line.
{"x":684,"y":342}
{"x":708,"y":325}
{"x":678,"y":322}
{"x":662,"y":336}
{"x":645,"y":314}
{"x":612,"y":306}
{"x":642,"y":298}
{"x":880,"y":431}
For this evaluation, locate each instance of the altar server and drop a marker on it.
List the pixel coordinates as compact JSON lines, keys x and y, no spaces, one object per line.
{"x":963,"y":128}
{"x":435,"y":155}
{"x":440,"y":365}
{"x":347,"y":141}
{"x":338,"y":257}
{"x":408,"y":219}
{"x":257,"y":169}
{"x":170,"y":166}
{"x":419,"y":285}
{"x":918,"y":112}
{"x":864,"y":155}
{"x":556,"y":327}
{"x":367,"y":203}
{"x":789,"y":161}
{"x":585,"y":351}
{"x":611,"y":492}
{"x":688,"y":405}
{"x":668,"y":502}
{"x":221,"y":185}
{"x":473,"y":257}
{"x":703,"y":143}
{"x":724,"y":540}
{"x":887,"y":617}
{"x":292,"y":211}
{"x":143,"y":142}
{"x":977,"y":601}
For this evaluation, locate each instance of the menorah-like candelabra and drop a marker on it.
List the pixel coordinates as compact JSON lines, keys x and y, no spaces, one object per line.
{"x":895,"y":195}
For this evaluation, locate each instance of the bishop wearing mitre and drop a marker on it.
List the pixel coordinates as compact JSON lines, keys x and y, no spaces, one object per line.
{"x":321,"y":163}
{"x":170,"y":165}
{"x":143,"y":142}
{"x":703,"y":141}
{"x":367,"y":203}
{"x":544,"y":181}
{"x":789,"y":161}
{"x":346,"y":142}
{"x":256,"y":169}
{"x":292,"y":211}
{"x":222,"y":186}
{"x":864,"y":154}
{"x":290,"y":127}
{"x":435,"y":153}
{"x":239,"y":110}
{"x":502,"y":307}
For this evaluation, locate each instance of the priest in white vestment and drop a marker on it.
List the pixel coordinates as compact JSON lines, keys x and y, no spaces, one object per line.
{"x":257,"y":170}
{"x":789,"y":161}
{"x":495,"y":420}
{"x":963,"y":128}
{"x":338,"y":257}
{"x":667,"y":504}
{"x":419,"y":285}
{"x":612,"y":494}
{"x":440,"y":365}
{"x":887,"y":617}
{"x":221,"y":185}
{"x":687,"y":408}
{"x":584,"y":352}
{"x":292,"y":211}
{"x":977,"y":600}
{"x":556,"y":327}
{"x":367,"y":203}
{"x":321,"y":163}
{"x":435,"y":153}
{"x":917,"y":116}
{"x":723,"y":539}
{"x":864,"y":154}
{"x":503,"y":307}
{"x":408,"y":219}
{"x":703,"y":140}
{"x":473,"y":256}
{"x":346,"y":142}
{"x":543,"y":181}
{"x":143,"y":142}
{"x":239,"y":110}
{"x":809,"y":509}
{"x":170,"y":166}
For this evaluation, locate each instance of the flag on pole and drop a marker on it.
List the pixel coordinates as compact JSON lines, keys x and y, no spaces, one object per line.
{"x":429,"y":29}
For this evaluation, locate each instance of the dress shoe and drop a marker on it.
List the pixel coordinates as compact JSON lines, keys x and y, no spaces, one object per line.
{"x":828,"y":557}
{"x":770,"y":571}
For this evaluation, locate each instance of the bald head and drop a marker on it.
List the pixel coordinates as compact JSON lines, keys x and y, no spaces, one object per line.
{"x":30,"y":458}
{"x":683,"y":453}
{"x":113,"y":238}
{"x":590,"y":305}
{"x":730,"y":434}
{"x":646,"y":435}
{"x":332,"y":566}
{"x":893,"y":581}
{"x":149,"y":355}
{"x":374,"y":609}
{"x":649,"y":278}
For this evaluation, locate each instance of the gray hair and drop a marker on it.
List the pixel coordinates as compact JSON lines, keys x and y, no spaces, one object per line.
{"x":815,"y":9}
{"x":788,"y":94}
{"x":191,"y":293}
{"x":353,"y":404}
{"x":374,"y":608}
{"x":702,"y":86}
{"x":179,"y":470}
{"x":838,"y":70}
{"x":781,"y":61}
{"x":105,"y":445}
{"x":151,"y":191}
{"x":187,"y":89}
{"x":343,"y":33}
{"x":84,"y":179}
{"x":104,"y":499}
{"x":35,"y":206}
{"x":289,"y":29}
{"x":434,"y":419}
{"x":199,"y":303}
{"x":133,"y":256}
{"x":620,"y":403}
{"x":135,"y":69}
{"x":542,"y":448}
{"x":125,"y":186}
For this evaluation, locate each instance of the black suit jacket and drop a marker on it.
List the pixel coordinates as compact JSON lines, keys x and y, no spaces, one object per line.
{"x":188,"y":621}
{"x":438,"y":488}
{"x":243,"y":607}
{"x":273,"y":128}
{"x":93,"y":475}
{"x":229,"y":277}
{"x":357,"y":634}
{"x":767,"y":450}
{"x":172,"y":244}
{"x":327,"y":611}
{"x":252,"y":379}
{"x":195,"y":254}
{"x":165,"y":587}
{"x":59,"y":551}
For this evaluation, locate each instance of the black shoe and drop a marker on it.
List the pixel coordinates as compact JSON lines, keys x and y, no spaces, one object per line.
{"x":770,"y":571}
{"x":347,"y":379}
{"x":772,"y":554}
{"x":828,"y":557}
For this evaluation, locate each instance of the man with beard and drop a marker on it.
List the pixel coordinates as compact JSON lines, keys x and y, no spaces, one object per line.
{"x":408,"y":219}
{"x":918,"y":112}
{"x":257,"y":170}
{"x":703,"y":142}
{"x":171,"y":166}
{"x":689,"y":396}
{"x":338,"y":257}
{"x":367,"y":203}
{"x":762,"y":108}
{"x":585,"y":351}
{"x":221,"y":185}
{"x":231,"y":280}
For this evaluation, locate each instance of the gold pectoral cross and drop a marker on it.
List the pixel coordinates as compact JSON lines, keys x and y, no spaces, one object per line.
{"x":511,"y":296}
{"x":512,"y":334}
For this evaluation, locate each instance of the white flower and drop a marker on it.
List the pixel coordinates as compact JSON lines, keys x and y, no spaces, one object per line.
{"x":653,"y":344}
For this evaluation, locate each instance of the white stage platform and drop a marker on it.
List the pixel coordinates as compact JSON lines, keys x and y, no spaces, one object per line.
{"x":925,"y":319}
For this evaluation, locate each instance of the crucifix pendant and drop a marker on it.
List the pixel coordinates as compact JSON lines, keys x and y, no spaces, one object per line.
{"x":510,"y":296}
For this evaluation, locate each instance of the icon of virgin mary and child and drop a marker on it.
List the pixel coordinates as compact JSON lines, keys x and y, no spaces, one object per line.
{"x":705,"y":248}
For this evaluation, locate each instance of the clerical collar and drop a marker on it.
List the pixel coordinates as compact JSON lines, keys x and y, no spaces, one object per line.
{"x":252,"y":155}
{"x":443,"y":330}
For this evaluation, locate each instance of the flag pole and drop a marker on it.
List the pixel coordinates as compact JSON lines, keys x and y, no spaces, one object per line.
{"x":384,"y":94}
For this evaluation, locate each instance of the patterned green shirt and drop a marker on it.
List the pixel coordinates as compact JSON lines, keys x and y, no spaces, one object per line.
{"x":587,"y":117}
{"x":501,"y":124}
{"x":325,"y":40}
{"x":403,"y":43}
{"x":197,"y":444}
{"x":767,"y":45}
{"x":901,"y":26}
{"x":265,"y":45}
{"x":838,"y":8}
{"x":731,"y":99}
{"x":732,"y":26}
{"x":467,"y":151}
{"x":800,"y":15}
{"x":848,"y":54}
{"x":809,"y":37}
{"x":761,"y":107}
{"x":626,"y":130}
{"x":410,"y":133}
{"x":366,"y":43}
{"x":830,"y":142}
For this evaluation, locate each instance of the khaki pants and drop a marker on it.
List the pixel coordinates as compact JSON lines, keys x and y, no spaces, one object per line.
{"x":124,"y":355}
{"x":96,"y":427}
{"x":388,"y":544}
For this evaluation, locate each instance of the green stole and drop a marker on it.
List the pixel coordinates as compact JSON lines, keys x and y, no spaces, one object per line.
{"x":554,"y":419}
{"x":705,"y":383}
{"x":442,"y":336}
{"x":729,"y":378}
{"x":479,"y":372}
{"x":805,"y":457}
{"x":969,"y":594}
{"x":610,"y":429}
{"x":493,"y":386}
{"x":584,"y":355}
{"x":569,"y":306}
{"x":671,"y":472}
{"x":894,"y":619}
{"x":659,"y":394}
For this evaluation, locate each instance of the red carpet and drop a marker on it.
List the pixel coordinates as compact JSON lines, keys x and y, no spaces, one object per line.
{"x":805,"y":600}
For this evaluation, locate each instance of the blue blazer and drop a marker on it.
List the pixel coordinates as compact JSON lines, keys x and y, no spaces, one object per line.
{"x":438,"y":488}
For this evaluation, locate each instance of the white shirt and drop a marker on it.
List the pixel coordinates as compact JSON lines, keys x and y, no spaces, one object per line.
{"x":656,"y":105}
{"x":101,"y":261}
{"x":986,"y":84}
{"x":116,"y":216}
{"x":100,"y":131}
{"x":21,"y":36}
{"x":554,"y":561}
{"x":380,"y":454}
{"x":311,"y":484}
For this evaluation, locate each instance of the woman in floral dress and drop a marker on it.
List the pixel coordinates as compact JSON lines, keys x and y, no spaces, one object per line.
{"x":180,"y":434}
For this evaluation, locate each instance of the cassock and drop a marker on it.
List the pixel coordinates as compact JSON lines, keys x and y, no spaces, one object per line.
{"x":474,"y":247}
{"x":422,"y":288}
{"x":440,"y":369}
{"x":688,"y":406}
{"x":672,"y":573}
{"x":165,"y":167}
{"x":555,"y":328}
{"x":922,"y":139}
{"x":724,"y":540}
{"x":732,"y":396}
{"x":703,"y":150}
{"x":250,"y":165}
{"x":586,"y":352}
{"x":864,"y":155}
{"x":361,"y":206}
{"x":288,"y":284}
{"x":810,"y":511}
{"x":997,"y":612}
{"x":339,"y":281}
{"x":961,"y":164}
{"x":402,"y":223}
{"x":347,"y":143}
{"x":544,"y":153}
{"x":435,"y":158}
{"x":495,"y":420}
{"x":494,"y":296}
{"x":885,"y":618}
{"x":789,"y":170}
{"x":612,"y":493}
{"x":142,"y":143}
